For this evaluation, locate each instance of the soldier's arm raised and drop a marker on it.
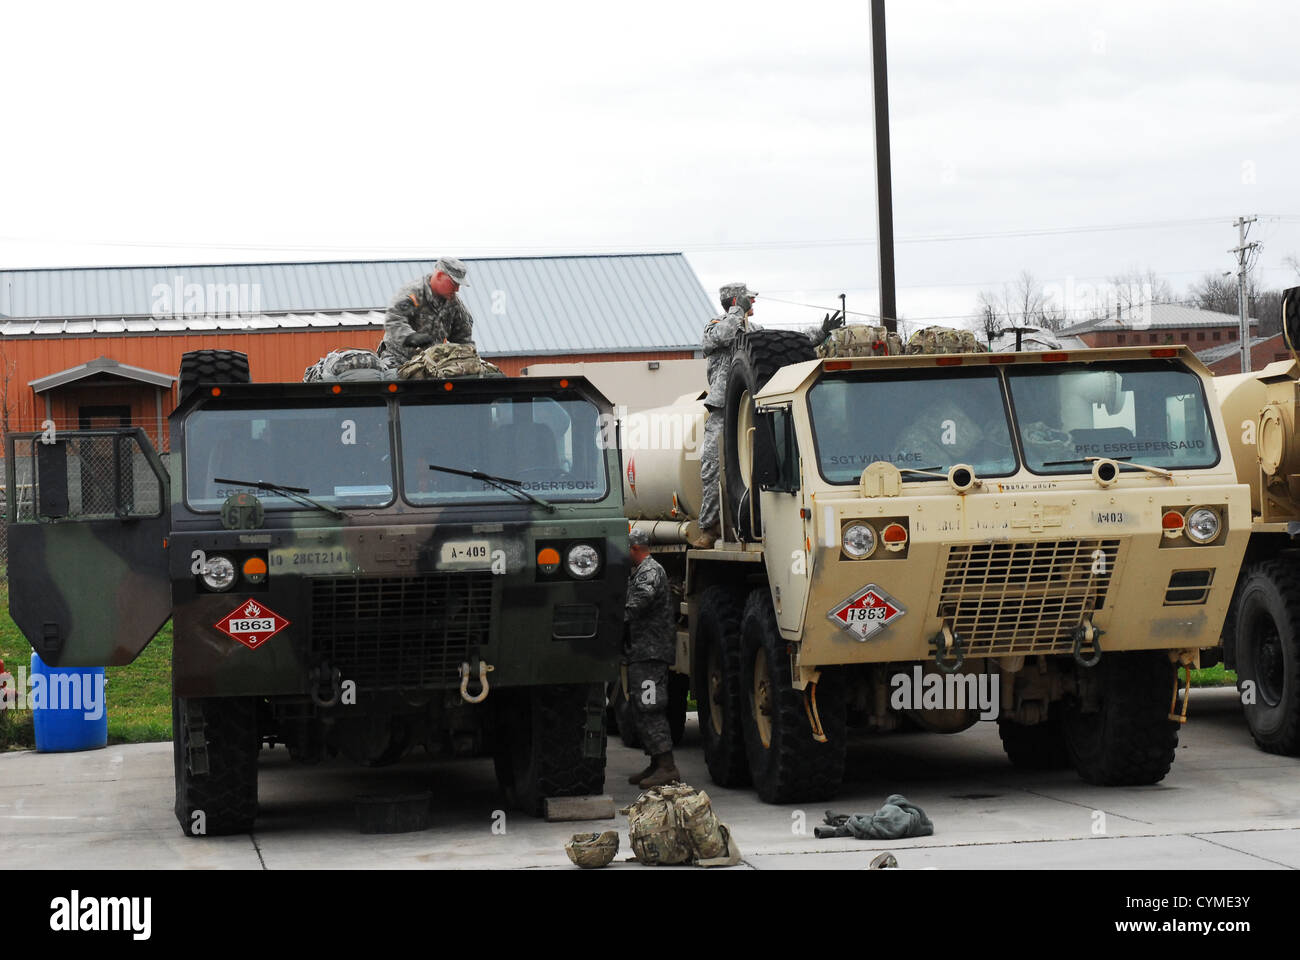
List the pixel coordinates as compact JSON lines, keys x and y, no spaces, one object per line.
{"x":720,"y":335}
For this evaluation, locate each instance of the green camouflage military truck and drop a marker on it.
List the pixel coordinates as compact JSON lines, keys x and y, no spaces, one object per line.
{"x":351,"y":567}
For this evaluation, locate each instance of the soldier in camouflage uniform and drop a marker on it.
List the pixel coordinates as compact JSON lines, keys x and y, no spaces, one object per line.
{"x":719,"y":344}
{"x":426,"y":312}
{"x":651,"y":649}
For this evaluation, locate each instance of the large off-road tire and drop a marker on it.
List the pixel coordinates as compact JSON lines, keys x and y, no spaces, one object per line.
{"x":1268,"y":654}
{"x":1130,"y":739}
{"x":1040,"y":746}
{"x":223,"y":800}
{"x":717,"y":686}
{"x":539,"y":749}
{"x":787,"y":765}
{"x":212,"y":366}
{"x":759,"y":354}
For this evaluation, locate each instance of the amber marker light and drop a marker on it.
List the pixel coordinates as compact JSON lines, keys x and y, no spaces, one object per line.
{"x":564,"y":383}
{"x":548,"y":559}
{"x":336,"y":389}
{"x":1164,"y":352}
{"x":1172,"y":522}
{"x":392,"y":388}
{"x":255,"y":569}
{"x":838,"y":365}
{"x":448,"y":387}
{"x":216,"y":391}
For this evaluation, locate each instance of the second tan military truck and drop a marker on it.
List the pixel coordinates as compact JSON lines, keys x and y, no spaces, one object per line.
{"x":1039,"y":538}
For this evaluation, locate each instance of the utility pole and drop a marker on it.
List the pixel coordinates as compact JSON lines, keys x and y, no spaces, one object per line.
{"x":1242,"y":250}
{"x":884,"y":190}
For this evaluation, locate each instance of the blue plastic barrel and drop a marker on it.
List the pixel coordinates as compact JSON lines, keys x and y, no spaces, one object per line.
{"x":71,"y":714}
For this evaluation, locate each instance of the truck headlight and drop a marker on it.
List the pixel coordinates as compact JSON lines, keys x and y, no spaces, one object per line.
{"x":219,"y":574}
{"x":1203,"y":525}
{"x":859,"y":540}
{"x":583,"y":561}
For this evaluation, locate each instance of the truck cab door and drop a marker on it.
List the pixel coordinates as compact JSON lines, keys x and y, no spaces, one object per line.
{"x":776,"y":477}
{"x":88,"y":517}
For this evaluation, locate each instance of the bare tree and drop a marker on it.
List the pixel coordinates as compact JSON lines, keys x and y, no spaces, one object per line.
{"x":1135,"y":288}
{"x":1020,"y":304}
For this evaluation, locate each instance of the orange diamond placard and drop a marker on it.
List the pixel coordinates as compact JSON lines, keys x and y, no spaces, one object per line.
{"x":252,"y":624}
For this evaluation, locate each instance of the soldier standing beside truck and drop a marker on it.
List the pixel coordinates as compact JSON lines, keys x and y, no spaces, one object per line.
{"x":426,"y":312}
{"x":719,"y":343}
{"x":651,"y":649}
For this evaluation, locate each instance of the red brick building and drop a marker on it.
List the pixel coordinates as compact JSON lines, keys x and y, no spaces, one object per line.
{"x":1160,"y":323}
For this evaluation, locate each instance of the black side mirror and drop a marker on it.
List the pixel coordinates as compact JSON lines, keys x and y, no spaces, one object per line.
{"x":767,"y":465}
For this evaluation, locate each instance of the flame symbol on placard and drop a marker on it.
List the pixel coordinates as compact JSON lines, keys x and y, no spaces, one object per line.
{"x":252,"y":609}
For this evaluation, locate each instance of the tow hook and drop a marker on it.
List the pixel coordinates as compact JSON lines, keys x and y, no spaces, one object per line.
{"x":1184,"y":661}
{"x":318,"y":679}
{"x":1085,"y":632}
{"x":947,"y":642}
{"x":466,"y":673}
{"x":814,"y":718}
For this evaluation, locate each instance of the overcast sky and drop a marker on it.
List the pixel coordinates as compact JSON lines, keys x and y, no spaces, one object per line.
{"x":738,"y":133}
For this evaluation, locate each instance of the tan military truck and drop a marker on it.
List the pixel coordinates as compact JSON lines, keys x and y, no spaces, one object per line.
{"x":905,"y":534}
{"x":1261,"y":638}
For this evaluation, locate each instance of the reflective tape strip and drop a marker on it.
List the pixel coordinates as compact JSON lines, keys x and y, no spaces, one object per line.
{"x":830,"y":529}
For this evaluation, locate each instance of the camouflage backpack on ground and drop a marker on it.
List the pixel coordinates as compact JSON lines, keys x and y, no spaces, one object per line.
{"x":349,"y":364}
{"x":675,"y":824}
{"x":443,"y":361}
{"x":861,"y":340}
{"x":943,"y":340}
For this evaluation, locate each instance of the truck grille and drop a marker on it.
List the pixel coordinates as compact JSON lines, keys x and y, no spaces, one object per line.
{"x":400,"y":632}
{"x":1024,"y":598}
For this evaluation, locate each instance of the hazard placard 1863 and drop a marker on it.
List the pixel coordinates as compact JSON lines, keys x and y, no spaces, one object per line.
{"x":867,"y":612}
{"x":252,"y":624}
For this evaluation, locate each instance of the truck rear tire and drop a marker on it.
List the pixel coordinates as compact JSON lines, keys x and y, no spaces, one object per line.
{"x":786,"y":763}
{"x":540,"y":748}
{"x":717,"y":686}
{"x":759,"y":354}
{"x":212,"y":366}
{"x":223,"y":800}
{"x":1129,"y":740}
{"x":1268,"y":654}
{"x":1040,"y":746}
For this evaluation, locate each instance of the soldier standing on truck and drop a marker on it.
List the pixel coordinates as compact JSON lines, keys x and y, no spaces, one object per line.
{"x":426,"y":312}
{"x":651,"y":650}
{"x":719,"y":343}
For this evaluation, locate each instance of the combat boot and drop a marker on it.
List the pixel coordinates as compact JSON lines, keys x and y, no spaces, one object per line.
{"x":701,"y":539}
{"x":664,"y":772}
{"x":640,"y":775}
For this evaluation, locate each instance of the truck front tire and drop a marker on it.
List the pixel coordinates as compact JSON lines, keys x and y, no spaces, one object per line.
{"x":1128,"y":740}
{"x":221,"y":731}
{"x":1040,"y":746}
{"x":540,"y":750}
{"x":717,"y":687}
{"x":786,"y":763}
{"x":1267,"y":625}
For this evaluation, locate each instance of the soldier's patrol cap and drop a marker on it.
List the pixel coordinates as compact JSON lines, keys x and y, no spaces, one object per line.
{"x":729,"y":290}
{"x":638,"y":537}
{"x":452,"y":268}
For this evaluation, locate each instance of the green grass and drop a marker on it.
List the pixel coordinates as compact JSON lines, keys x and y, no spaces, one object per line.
{"x":139,"y":695}
{"x":1215,"y":676}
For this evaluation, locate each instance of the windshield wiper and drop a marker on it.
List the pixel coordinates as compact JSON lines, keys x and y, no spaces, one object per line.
{"x":1122,"y":461}
{"x":501,"y":483}
{"x":293,"y":493}
{"x":924,"y":471}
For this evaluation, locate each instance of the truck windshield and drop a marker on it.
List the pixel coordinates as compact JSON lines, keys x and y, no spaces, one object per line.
{"x":928,"y":422}
{"x":341,"y":456}
{"x":1153,"y":413}
{"x":550,"y":446}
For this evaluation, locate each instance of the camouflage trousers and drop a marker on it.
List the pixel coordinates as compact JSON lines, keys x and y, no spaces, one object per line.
{"x":709,"y":469}
{"x":647,"y":692}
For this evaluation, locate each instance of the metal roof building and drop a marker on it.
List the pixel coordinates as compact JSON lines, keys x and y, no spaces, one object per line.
{"x":56,"y":322}
{"x":522,"y":306}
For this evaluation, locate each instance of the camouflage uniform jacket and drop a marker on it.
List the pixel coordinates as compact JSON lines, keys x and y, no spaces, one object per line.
{"x":719,"y":343}
{"x":417,"y":309}
{"x":652,"y":628}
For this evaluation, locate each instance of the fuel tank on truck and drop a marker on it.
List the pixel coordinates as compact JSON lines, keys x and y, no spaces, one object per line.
{"x":661,"y":460}
{"x":1259,"y":414}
